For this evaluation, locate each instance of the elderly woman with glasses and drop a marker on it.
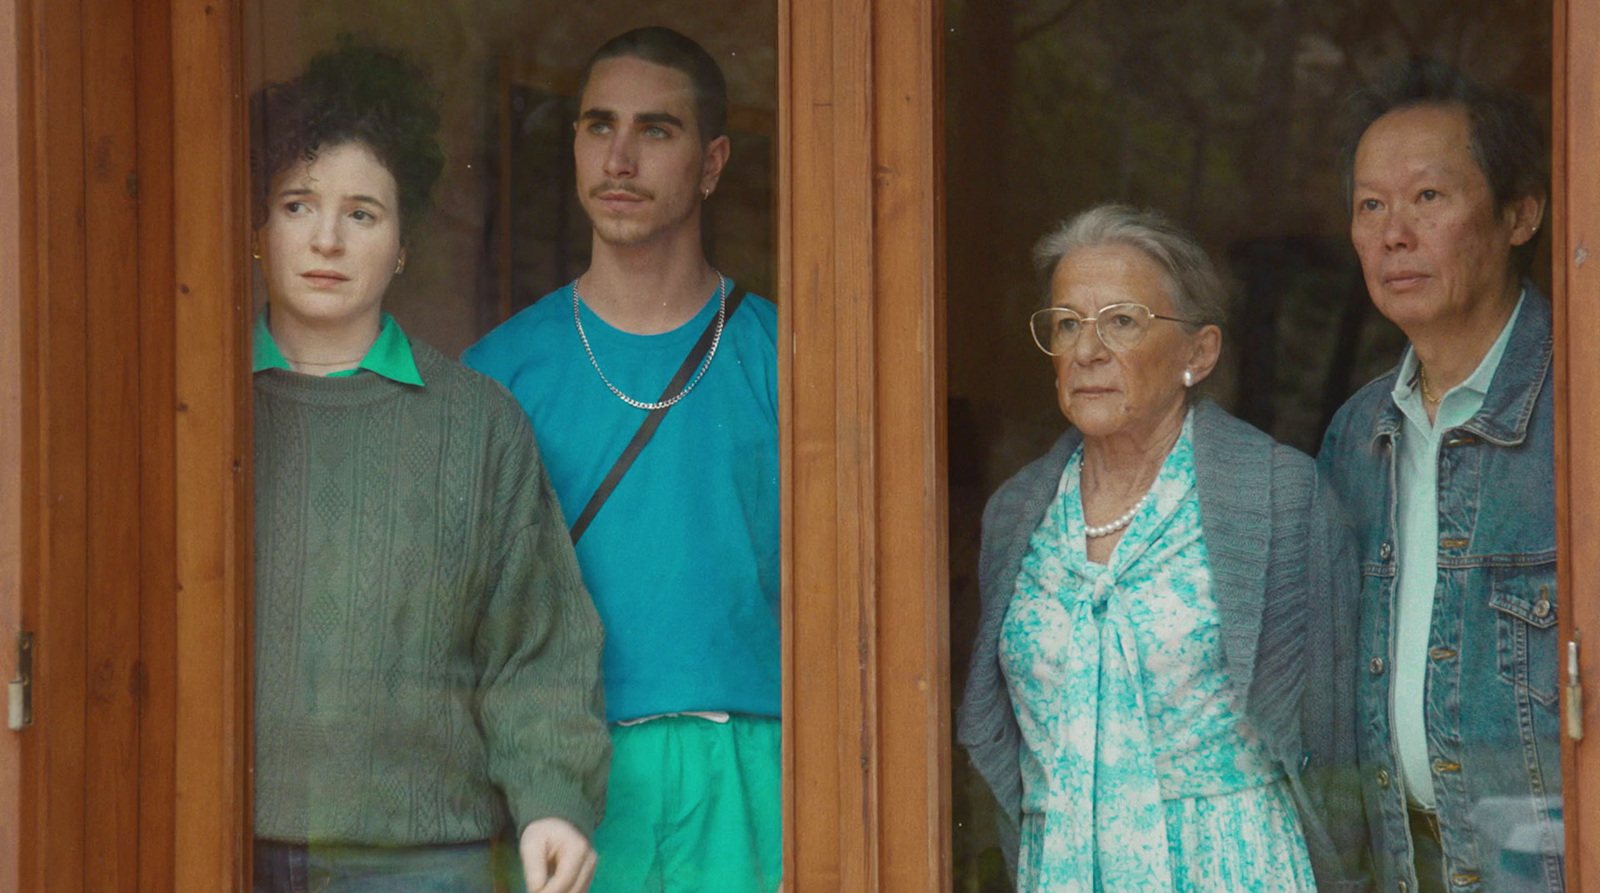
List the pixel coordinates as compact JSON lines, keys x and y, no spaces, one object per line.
{"x":1156,"y":698}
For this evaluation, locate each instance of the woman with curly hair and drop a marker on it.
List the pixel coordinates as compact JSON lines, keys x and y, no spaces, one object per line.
{"x":428,"y":660}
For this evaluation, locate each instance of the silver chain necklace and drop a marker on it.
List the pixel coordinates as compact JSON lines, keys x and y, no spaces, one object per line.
{"x":722,"y":306}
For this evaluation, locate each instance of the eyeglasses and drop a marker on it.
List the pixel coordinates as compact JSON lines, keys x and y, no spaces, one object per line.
{"x":1120,"y":327}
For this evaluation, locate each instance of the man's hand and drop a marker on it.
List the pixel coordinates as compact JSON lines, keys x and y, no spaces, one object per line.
{"x":556,"y":857}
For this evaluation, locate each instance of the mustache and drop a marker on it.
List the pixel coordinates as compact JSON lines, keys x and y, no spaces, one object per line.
{"x":609,"y":186}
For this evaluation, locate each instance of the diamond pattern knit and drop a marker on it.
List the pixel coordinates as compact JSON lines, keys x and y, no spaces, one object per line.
{"x":427,"y":660}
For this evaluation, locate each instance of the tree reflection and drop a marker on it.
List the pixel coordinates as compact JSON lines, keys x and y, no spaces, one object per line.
{"x":1223,"y":113}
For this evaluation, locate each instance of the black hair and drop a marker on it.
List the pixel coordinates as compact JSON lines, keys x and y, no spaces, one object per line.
{"x":1507,"y":139}
{"x":665,"y":47}
{"x":357,"y":92}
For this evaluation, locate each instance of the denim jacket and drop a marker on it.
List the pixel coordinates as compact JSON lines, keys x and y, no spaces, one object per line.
{"x":1491,"y":680}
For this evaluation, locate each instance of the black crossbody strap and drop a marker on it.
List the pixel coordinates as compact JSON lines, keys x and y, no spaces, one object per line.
{"x":653,"y":420}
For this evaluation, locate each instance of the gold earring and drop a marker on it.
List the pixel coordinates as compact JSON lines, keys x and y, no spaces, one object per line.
{"x":255,"y":248}
{"x":400,"y":265}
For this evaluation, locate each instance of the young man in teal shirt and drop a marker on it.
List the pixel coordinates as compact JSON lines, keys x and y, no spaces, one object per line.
{"x":682,"y":559}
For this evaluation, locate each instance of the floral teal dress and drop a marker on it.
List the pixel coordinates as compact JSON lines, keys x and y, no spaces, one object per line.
{"x":1140,"y":770}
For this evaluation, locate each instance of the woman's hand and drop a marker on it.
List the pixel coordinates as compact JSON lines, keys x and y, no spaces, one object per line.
{"x":556,"y":857}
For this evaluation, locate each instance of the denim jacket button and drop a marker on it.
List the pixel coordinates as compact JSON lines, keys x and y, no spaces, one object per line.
{"x":1541,"y":608}
{"x":1404,"y":887}
{"x":1384,"y":551}
{"x":1383,"y":778}
{"x":1444,"y":766}
{"x":1376,"y":666}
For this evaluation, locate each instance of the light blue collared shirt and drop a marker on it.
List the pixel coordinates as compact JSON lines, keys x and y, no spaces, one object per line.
{"x":1417,"y":546}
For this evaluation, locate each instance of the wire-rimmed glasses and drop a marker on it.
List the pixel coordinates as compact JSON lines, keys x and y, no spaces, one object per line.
{"x":1120,"y":327}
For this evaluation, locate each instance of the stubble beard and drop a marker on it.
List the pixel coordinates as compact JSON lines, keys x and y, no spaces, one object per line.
{"x":621,"y":232}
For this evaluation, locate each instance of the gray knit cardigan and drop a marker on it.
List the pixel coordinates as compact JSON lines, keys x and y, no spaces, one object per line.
{"x":1285,"y":578}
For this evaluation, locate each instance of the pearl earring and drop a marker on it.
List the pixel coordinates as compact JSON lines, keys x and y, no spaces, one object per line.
{"x":1188,"y":379}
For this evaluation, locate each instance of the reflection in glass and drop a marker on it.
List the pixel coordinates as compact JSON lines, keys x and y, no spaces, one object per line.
{"x":1154,"y":697}
{"x":1447,"y":203}
{"x":428,"y":661}
{"x":1224,"y":115}
{"x":546,"y":243}
{"x":651,"y":380}
{"x":506,"y":227}
{"x":484,"y":54}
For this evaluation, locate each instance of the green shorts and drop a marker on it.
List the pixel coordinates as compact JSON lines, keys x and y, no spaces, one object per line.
{"x":693,"y":805}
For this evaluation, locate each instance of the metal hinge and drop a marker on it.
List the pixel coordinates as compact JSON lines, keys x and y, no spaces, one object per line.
{"x":1574,"y":690}
{"x":19,"y":714}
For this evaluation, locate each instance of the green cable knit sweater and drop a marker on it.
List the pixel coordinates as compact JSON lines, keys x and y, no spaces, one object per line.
{"x":426,"y":656}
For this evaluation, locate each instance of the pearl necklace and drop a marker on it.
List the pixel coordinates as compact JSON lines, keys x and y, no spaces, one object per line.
{"x":722,"y":307}
{"x":1094,"y":533}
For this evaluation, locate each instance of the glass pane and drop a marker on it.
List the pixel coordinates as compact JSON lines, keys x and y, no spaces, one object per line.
{"x":1226,"y":117}
{"x":442,"y":677}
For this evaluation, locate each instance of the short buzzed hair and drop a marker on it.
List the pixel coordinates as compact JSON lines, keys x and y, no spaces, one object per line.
{"x":665,"y":47}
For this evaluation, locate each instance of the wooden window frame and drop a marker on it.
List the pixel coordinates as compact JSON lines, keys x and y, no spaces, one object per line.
{"x":861,"y":321}
{"x":1575,"y":217}
{"x":14,"y":282}
{"x":866,"y":753}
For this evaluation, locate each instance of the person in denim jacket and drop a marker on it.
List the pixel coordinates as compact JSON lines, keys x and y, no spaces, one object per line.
{"x":1445,"y":466}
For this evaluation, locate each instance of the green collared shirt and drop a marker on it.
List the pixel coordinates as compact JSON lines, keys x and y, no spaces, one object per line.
{"x":389,"y":356}
{"x":1417,"y":543}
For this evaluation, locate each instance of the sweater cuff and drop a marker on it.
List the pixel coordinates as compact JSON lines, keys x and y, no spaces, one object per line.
{"x":571,"y":805}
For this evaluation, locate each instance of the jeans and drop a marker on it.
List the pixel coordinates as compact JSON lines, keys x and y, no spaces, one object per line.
{"x":297,"y":868}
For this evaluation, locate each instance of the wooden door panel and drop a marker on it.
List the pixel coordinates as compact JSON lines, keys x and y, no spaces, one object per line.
{"x":16,"y":361}
{"x":112,"y":456}
{"x":156,"y":676}
{"x":53,"y":750}
{"x":212,"y":449}
{"x":93,"y":505}
{"x":861,"y":321}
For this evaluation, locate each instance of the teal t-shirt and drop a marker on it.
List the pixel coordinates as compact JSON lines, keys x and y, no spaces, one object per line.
{"x":682,"y":562}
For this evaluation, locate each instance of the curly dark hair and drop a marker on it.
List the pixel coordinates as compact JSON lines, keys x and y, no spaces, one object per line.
{"x":358,"y":92}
